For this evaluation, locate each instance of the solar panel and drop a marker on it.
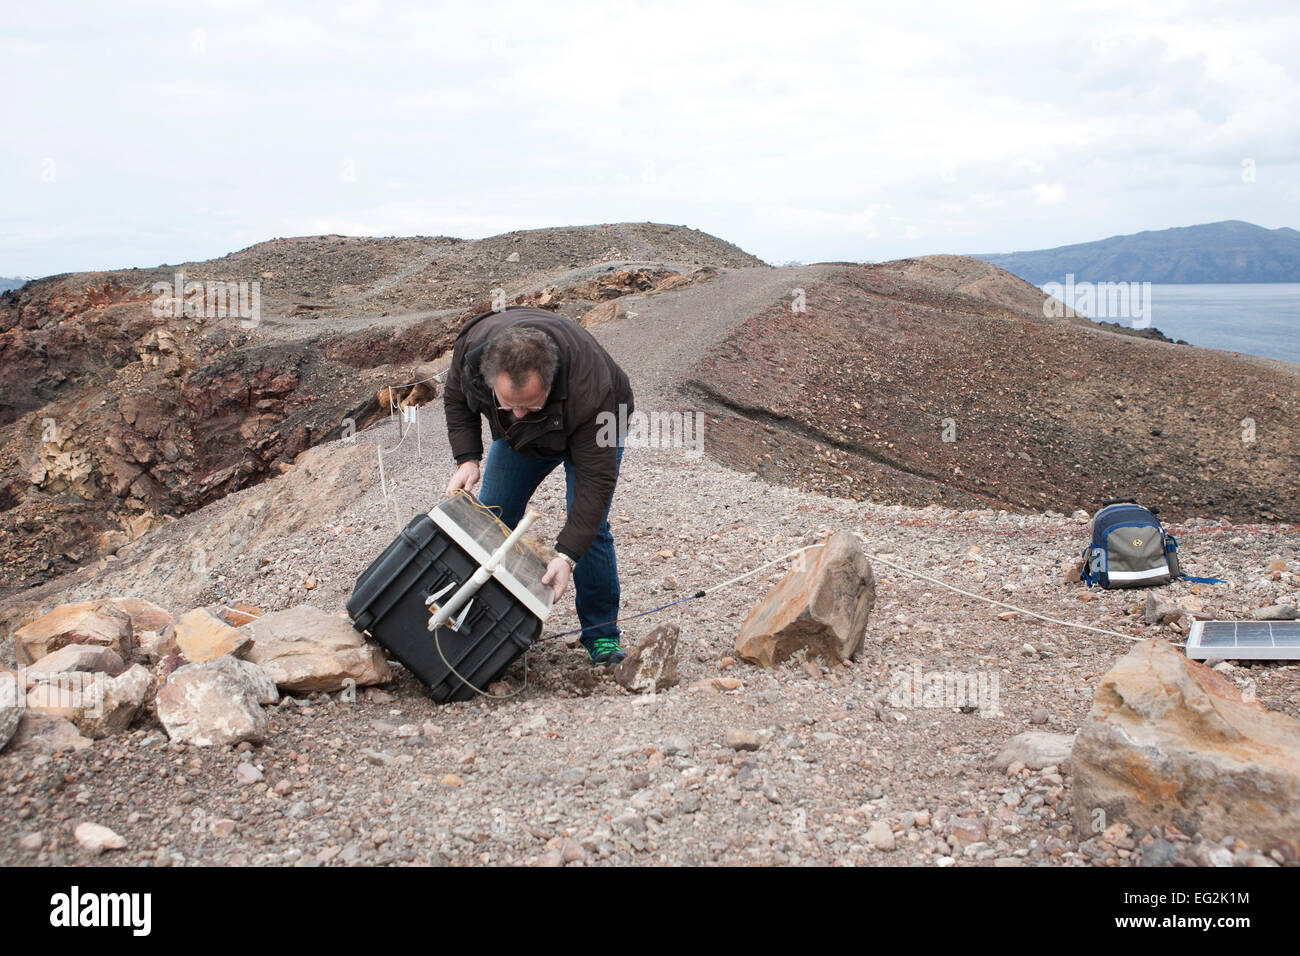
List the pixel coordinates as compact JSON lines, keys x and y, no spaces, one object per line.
{"x":1244,"y":640}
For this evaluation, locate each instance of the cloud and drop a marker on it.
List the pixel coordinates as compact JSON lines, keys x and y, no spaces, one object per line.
{"x":1049,"y":194}
{"x":976,"y":128}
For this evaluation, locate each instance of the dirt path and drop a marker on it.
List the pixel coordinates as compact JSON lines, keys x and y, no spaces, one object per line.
{"x":662,"y":336}
{"x":638,"y":247}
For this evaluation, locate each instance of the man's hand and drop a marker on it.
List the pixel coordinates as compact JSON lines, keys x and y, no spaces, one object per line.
{"x":466,"y":477}
{"x":558,"y":573}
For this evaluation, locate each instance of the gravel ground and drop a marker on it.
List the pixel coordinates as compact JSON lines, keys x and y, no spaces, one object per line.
{"x":575,"y":770}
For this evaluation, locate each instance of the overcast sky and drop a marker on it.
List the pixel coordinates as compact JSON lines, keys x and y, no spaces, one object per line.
{"x":139,"y":133}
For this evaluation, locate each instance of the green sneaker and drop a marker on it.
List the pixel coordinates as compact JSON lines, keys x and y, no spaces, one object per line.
{"x":604,"y":651}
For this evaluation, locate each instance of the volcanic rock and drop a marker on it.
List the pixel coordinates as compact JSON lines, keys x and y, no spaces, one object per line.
{"x":1276,"y":612}
{"x":201,"y":637}
{"x":47,"y":733}
{"x":87,"y":622}
{"x":821,"y":606}
{"x":304,"y":649}
{"x":605,"y":312}
{"x":652,"y":665}
{"x":214,"y":703}
{"x":89,"y":658}
{"x":1170,"y":742}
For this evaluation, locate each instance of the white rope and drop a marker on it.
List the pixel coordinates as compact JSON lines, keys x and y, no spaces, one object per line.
{"x":383,"y":486}
{"x":401,"y":441}
{"x":933,"y":580}
{"x":1011,"y":607}
{"x":741,"y":577}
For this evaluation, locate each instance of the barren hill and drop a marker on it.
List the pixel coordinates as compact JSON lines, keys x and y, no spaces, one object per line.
{"x":898,"y":383}
{"x":1231,"y":251}
{"x":114,"y":417}
{"x":934,"y":379}
{"x":969,"y":284}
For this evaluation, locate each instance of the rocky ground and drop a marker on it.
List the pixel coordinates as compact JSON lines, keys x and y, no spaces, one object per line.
{"x":799,"y":764}
{"x":577,"y":769}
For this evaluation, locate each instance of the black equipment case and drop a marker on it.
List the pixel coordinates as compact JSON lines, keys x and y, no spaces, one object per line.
{"x":438,"y":552}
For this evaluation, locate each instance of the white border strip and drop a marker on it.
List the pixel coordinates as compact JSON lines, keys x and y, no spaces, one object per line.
{"x":1137,"y":575}
{"x":475,"y":551}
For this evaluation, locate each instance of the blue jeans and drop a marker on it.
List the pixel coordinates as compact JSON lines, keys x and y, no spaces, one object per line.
{"x":509,"y":480}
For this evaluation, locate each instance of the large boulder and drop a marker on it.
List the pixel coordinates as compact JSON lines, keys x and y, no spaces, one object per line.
{"x":821,"y":606}
{"x":304,"y":649}
{"x":215,"y":703}
{"x":145,"y":615}
{"x":86,"y":622}
{"x":1169,"y":741}
{"x":113,"y":704}
{"x":86,"y":658}
{"x":258,"y":681}
{"x":201,"y":636}
{"x":99,"y":704}
{"x":652,"y":665}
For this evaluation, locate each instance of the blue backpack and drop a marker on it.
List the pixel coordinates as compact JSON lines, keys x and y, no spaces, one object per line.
{"x":1130,"y":549}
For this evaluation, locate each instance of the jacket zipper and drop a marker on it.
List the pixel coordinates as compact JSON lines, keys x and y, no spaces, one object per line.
{"x":522,"y":421}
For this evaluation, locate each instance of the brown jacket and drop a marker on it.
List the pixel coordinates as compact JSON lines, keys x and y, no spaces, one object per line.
{"x":587,"y":382}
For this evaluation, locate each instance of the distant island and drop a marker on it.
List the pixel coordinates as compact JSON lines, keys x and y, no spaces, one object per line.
{"x":1231,"y":251}
{"x":11,"y":282}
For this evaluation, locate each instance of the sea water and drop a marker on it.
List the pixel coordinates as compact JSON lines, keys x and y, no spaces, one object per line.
{"x":1255,"y":318}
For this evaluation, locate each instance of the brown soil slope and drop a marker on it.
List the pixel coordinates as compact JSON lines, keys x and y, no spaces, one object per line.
{"x":857,"y":395}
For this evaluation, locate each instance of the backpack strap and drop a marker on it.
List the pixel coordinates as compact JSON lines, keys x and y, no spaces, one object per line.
{"x":1085,"y":568}
{"x":1171,"y":545}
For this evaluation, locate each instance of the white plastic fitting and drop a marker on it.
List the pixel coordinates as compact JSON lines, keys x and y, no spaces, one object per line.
{"x":479,"y":577}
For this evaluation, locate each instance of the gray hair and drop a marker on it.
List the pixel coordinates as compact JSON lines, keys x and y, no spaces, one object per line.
{"x":518,"y":350}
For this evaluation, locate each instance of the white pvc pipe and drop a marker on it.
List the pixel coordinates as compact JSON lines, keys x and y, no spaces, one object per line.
{"x":479,"y":578}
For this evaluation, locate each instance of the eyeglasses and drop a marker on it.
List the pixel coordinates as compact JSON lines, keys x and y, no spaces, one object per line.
{"x":515,"y":408}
